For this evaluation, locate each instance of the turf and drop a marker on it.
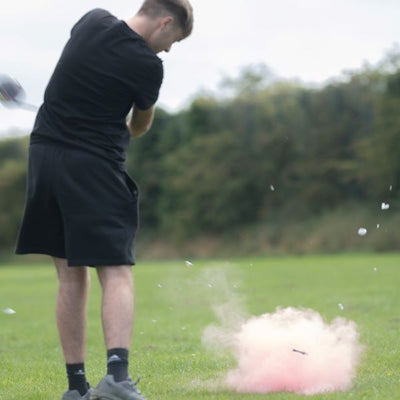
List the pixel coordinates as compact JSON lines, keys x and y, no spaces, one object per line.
{"x":174,"y":305}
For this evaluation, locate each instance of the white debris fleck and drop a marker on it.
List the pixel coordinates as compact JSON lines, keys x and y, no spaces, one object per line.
{"x":154,"y":321}
{"x":375,"y":269}
{"x":9,"y":311}
{"x":188,"y":263}
{"x":385,"y":206}
{"x":159,"y":285}
{"x":378,"y":226}
{"x":210,"y":285}
{"x":340,"y":305}
{"x":390,"y":188}
{"x":272,"y":188}
{"x":362,"y":231}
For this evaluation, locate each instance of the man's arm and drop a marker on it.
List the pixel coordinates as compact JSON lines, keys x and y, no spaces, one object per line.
{"x":140,"y":121}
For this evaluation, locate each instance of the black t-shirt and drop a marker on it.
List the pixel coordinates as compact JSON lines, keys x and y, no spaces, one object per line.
{"x":103,"y":70}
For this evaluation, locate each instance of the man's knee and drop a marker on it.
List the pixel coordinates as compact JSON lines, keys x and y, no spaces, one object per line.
{"x":71,"y":275}
{"x":121,"y":275}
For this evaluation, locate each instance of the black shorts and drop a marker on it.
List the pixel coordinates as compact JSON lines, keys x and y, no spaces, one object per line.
{"x":79,"y":207}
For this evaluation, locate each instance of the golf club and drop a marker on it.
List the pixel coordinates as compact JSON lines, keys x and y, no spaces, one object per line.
{"x":12,"y":94}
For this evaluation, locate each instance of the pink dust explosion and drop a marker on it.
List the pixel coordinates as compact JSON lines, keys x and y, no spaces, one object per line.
{"x":292,"y":350}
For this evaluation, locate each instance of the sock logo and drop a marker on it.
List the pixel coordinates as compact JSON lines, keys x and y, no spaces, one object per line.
{"x":114,"y":358}
{"x":80,"y":372}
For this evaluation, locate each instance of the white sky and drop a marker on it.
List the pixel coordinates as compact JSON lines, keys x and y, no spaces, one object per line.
{"x":312,"y":40}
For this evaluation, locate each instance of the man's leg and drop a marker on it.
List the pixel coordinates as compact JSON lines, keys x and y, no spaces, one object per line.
{"x":117,"y":314}
{"x":74,"y":283}
{"x":117,"y":305}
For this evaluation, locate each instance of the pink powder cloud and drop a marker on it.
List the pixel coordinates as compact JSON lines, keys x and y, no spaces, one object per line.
{"x":291,"y":350}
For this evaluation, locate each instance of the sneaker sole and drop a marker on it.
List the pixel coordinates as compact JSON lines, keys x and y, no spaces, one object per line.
{"x":96,"y":395}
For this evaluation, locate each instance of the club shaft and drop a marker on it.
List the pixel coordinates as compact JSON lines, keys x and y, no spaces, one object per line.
{"x":27,"y":106}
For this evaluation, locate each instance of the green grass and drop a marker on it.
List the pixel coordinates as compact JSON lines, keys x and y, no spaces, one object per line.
{"x":167,"y":350}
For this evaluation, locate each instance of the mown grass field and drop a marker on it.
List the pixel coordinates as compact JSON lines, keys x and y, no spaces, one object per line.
{"x":174,"y":305}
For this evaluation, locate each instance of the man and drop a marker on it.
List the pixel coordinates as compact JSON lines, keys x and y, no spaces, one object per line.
{"x":81,"y":205}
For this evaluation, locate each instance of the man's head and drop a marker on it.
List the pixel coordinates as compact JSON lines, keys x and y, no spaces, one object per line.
{"x":168,"y":21}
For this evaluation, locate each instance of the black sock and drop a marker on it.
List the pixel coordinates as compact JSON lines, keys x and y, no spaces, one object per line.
{"x":117,"y":364}
{"x":76,"y":378}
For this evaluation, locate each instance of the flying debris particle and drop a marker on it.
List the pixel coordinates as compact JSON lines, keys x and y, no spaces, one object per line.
{"x":272,"y":187}
{"x":385,"y":206}
{"x":154,"y":321}
{"x":210,"y":286}
{"x":9,"y":311}
{"x":390,"y":188}
{"x":188,"y":264}
{"x":362,"y":231}
{"x":301,"y":352}
{"x":378,"y":226}
{"x":375,"y":269}
{"x":340,"y":305}
{"x":159,"y":285}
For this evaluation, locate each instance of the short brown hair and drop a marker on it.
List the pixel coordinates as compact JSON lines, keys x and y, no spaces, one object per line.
{"x":180,"y":9}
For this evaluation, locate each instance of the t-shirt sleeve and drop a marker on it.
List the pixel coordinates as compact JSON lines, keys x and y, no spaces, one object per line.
{"x":148,"y":85}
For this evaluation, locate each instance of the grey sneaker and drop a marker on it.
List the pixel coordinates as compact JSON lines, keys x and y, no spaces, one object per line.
{"x":108,"y":389}
{"x":75,"y":395}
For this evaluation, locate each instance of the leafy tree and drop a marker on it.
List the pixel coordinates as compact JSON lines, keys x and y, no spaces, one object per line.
{"x":12,"y":189}
{"x":210,"y":185}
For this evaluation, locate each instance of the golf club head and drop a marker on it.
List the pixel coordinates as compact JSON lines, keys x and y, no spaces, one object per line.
{"x":11,"y":92}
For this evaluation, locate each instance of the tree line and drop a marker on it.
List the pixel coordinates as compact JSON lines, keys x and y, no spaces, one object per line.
{"x":268,"y":149}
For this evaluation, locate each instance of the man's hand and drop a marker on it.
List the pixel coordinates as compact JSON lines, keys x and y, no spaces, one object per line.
{"x":140,"y":121}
